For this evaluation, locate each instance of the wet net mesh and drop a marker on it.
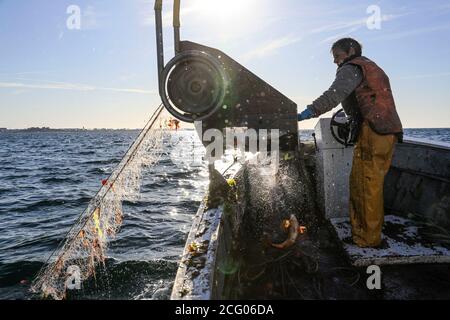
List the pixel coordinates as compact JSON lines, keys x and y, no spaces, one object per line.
{"x":86,"y":242}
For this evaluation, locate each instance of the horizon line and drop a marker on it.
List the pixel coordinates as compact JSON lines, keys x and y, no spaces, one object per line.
{"x":123,"y":128}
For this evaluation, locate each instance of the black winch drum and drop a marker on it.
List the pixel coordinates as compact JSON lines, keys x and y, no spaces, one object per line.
{"x":194,"y":85}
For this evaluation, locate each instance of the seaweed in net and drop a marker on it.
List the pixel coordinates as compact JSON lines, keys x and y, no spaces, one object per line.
{"x":86,"y":241}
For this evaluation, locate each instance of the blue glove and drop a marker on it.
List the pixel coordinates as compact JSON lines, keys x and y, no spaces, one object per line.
{"x":306,"y":114}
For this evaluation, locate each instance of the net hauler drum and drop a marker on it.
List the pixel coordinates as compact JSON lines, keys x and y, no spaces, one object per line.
{"x":204,"y":84}
{"x":193,"y":85}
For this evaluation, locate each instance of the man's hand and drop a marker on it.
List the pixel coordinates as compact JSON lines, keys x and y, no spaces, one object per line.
{"x":305,"y":114}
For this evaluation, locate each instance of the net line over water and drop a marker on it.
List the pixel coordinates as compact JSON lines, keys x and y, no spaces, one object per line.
{"x":85,"y":244}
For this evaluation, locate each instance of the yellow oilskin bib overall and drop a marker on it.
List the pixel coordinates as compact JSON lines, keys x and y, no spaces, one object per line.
{"x":371,"y":161}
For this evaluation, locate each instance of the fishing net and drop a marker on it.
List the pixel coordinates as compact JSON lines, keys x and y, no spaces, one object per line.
{"x":76,"y":259}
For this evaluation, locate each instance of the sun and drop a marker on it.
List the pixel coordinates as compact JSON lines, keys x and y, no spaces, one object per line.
{"x":226,"y":19}
{"x":224,"y":10}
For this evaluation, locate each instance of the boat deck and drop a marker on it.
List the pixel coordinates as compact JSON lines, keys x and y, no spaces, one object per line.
{"x":405,"y":242}
{"x":235,"y":259}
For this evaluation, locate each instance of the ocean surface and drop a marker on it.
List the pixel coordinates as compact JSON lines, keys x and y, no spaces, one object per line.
{"x":47,"y":180}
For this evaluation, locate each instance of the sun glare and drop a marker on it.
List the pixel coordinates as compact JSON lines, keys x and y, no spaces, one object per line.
{"x":224,"y":9}
{"x":226,"y":19}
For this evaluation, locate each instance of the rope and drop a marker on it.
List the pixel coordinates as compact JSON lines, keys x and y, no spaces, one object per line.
{"x":234,"y":161}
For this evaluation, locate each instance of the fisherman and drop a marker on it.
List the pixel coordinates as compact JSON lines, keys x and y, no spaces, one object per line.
{"x":365,"y":93}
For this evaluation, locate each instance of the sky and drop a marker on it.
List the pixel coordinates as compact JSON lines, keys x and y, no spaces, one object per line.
{"x":102,"y":73}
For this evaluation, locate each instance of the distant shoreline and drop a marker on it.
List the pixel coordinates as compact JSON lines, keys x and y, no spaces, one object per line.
{"x":47,"y":129}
